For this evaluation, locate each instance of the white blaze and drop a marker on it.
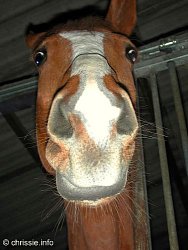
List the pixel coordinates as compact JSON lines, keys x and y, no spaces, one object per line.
{"x":85,"y":42}
{"x":94,"y":100}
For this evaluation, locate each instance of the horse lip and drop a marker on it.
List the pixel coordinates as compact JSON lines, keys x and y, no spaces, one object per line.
{"x":70,"y":191}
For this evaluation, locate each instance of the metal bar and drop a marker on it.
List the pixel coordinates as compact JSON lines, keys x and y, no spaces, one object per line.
{"x":141,"y":195}
{"x":19,"y":171}
{"x":17,"y":88}
{"x":157,"y":54}
{"x":18,"y":103}
{"x":179,"y":111}
{"x":171,"y":224}
{"x":21,"y":132}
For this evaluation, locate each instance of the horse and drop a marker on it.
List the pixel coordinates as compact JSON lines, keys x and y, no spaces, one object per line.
{"x":87,"y":125}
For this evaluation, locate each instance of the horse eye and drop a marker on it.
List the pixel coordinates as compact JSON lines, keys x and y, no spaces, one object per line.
{"x":40,"y":57}
{"x":131,"y":54}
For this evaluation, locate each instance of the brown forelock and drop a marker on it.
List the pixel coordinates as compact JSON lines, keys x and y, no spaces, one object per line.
{"x":85,"y":24}
{"x":115,"y":52}
{"x":53,"y":75}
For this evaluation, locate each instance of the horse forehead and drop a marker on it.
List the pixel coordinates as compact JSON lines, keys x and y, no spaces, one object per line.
{"x":85,"y":42}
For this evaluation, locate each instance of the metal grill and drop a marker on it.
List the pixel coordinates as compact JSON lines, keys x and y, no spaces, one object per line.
{"x":166,"y":55}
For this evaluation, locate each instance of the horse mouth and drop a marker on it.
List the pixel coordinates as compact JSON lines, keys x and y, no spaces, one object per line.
{"x":73,"y":192}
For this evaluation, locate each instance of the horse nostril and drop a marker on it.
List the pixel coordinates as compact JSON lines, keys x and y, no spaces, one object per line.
{"x":127,"y":121}
{"x":59,"y":125}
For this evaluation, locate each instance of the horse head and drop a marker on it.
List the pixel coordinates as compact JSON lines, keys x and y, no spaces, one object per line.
{"x":86,"y":122}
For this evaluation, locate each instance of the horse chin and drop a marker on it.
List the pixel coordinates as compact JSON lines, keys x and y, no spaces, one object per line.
{"x":70,"y":190}
{"x":93,"y":204}
{"x":90,"y":176}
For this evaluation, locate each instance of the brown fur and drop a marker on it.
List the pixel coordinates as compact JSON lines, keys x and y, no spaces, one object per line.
{"x":52,"y":78}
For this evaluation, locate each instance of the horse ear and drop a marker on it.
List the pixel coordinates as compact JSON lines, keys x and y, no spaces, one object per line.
{"x":31,"y":39}
{"x":32,"y":35}
{"x":122,"y":15}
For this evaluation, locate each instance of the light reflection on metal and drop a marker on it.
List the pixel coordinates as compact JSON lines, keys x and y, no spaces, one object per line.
{"x":157,"y":54}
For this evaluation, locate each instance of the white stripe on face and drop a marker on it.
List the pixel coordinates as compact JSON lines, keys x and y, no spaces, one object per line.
{"x":93,"y":102}
{"x":85,"y":42}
